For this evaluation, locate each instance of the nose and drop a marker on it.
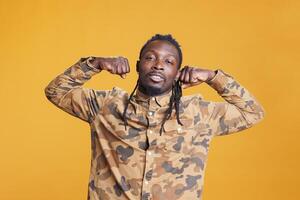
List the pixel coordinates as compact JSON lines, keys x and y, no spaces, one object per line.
{"x":158,"y":65}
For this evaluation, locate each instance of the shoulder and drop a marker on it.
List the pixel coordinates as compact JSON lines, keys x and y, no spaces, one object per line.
{"x":191,"y":103}
{"x":197,"y":101}
{"x":115,"y":92}
{"x":194,"y":98}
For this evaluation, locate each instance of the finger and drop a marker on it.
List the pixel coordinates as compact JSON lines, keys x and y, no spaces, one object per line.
{"x":182,"y":73}
{"x":192,"y":79}
{"x":185,"y":85}
{"x":187,"y":75}
{"x":123,"y":69}
{"x":119,"y":67}
{"x":122,"y":66}
{"x":127,"y":65}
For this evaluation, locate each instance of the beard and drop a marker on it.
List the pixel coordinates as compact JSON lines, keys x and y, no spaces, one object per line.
{"x":150,"y":90}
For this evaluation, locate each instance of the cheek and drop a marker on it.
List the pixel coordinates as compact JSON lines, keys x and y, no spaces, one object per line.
{"x":144,"y":67}
{"x":171,"y":73}
{"x":170,"y":79}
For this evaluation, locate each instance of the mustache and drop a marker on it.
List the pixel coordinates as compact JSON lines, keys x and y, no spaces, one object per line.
{"x":156,"y":74}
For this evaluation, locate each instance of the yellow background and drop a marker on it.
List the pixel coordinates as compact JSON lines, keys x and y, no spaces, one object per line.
{"x":45,"y":153}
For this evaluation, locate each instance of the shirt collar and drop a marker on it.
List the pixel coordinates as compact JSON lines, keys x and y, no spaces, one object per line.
{"x":145,"y":100}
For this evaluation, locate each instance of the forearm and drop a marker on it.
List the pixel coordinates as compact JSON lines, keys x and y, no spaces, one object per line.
{"x":239,"y":97}
{"x":73,"y":77}
{"x":211,"y":74}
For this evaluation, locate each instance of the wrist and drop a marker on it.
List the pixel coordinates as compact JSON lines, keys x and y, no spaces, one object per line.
{"x":94,"y":62}
{"x":211,"y":75}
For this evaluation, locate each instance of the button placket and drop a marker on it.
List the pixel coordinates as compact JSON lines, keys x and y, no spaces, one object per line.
{"x":179,"y":129}
{"x":150,"y":132}
{"x":150,"y":153}
{"x":152,"y":103}
{"x":148,"y":164}
{"x":150,"y":113}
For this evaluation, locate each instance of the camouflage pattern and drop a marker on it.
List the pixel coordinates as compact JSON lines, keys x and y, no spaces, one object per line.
{"x":138,"y":163}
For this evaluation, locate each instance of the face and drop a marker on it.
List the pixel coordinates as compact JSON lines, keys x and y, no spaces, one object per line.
{"x":157,"y":68}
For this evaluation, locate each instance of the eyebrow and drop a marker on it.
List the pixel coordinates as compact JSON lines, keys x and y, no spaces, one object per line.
{"x":156,"y":53}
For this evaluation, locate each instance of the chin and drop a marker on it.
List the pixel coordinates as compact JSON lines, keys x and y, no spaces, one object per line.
{"x":152,"y":90}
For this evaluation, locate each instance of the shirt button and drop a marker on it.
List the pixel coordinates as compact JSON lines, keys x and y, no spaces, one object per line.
{"x":149,"y":153}
{"x":153,"y":98}
{"x":150,"y":131}
{"x":146,"y":182}
{"x":179,"y":129}
{"x":150,"y":113}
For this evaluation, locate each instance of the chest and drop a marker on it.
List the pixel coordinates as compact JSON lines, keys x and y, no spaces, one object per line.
{"x":144,"y":125}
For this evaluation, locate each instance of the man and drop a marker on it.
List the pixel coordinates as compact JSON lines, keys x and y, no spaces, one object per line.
{"x":153,"y":143}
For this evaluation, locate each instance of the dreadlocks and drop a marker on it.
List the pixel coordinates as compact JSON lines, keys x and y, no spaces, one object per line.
{"x":176,"y":88}
{"x":174,"y":99}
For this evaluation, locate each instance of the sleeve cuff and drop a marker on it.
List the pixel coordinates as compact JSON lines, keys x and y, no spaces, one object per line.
{"x":90,"y":65}
{"x":219,"y":81}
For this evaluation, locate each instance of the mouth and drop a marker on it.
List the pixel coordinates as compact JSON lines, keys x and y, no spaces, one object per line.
{"x":156,"y":77}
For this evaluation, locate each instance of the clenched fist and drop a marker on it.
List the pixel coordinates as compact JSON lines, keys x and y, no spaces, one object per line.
{"x":115,"y":65}
{"x":191,"y":76}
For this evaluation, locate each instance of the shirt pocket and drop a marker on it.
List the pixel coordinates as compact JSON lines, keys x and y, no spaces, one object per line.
{"x":177,"y":139}
{"x":188,"y":139}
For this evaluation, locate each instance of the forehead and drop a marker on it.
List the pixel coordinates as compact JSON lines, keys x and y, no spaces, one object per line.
{"x":161,"y":47}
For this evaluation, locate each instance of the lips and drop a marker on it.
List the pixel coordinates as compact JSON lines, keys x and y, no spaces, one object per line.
{"x":156,"y":77}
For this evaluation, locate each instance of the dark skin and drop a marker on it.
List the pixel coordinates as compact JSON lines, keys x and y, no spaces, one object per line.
{"x":157,"y":68}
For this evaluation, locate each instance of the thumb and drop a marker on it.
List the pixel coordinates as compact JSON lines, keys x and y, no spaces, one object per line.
{"x":185,"y":85}
{"x":123,"y":76}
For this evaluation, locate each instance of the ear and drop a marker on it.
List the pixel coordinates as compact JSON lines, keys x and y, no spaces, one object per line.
{"x":137,"y":66}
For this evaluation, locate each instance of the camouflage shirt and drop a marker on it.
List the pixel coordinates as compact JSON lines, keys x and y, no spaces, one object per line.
{"x":137,"y":162}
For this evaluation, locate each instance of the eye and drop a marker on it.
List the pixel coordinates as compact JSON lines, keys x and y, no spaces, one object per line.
{"x":169,"y":61}
{"x":149,"y":58}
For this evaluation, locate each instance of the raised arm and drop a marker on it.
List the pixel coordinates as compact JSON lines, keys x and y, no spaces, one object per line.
{"x":66,"y":91}
{"x":239,"y":111}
